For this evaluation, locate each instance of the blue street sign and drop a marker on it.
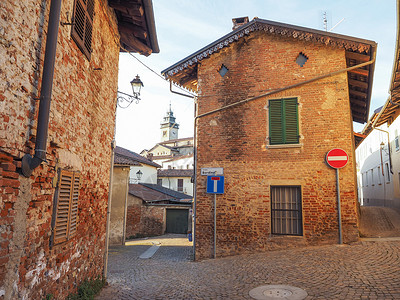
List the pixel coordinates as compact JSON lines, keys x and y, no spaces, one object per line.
{"x":215,"y":184}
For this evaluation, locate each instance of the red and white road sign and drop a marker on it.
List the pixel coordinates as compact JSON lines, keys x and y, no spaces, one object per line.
{"x":337,"y":158}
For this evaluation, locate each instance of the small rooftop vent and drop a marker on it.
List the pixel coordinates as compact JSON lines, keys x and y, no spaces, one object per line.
{"x":237,"y":22}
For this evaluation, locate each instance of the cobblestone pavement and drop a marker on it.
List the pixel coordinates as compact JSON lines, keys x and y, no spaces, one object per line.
{"x":363,"y":270}
{"x":379,"y":222}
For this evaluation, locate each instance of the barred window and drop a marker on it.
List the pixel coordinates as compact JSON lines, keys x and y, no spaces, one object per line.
{"x":286,"y":210}
{"x":65,"y":211}
{"x":83,"y":25}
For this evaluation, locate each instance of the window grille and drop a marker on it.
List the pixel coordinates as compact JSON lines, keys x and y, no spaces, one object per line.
{"x":286,"y":210}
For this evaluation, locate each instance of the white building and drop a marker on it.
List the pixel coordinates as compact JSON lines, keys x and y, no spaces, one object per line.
{"x":177,"y":179}
{"x":378,"y":155}
{"x":143,"y":171}
{"x":374,"y":169}
{"x":175,"y":155}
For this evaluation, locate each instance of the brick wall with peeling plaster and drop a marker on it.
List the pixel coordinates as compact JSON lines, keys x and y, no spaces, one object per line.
{"x":236,"y":139}
{"x":81,"y":129}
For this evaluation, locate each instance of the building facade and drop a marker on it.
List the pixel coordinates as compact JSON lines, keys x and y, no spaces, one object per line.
{"x":153,"y":210}
{"x":273,"y":99}
{"x":176,"y":179}
{"x":55,"y":159}
{"x":378,"y":155}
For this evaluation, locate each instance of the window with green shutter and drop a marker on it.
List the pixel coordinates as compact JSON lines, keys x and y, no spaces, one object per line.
{"x":65,"y":212}
{"x":283,"y":121}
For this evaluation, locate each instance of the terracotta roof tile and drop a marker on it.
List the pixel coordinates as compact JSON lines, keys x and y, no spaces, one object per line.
{"x":123,"y":156}
{"x":175,"y":173}
{"x":154,"y":193}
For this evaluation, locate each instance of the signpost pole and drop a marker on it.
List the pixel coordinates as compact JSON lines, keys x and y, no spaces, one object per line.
{"x":215,"y":225}
{"x":338,"y":204}
{"x":337,"y":158}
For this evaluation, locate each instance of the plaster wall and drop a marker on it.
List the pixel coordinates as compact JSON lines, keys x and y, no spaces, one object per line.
{"x":118,"y":205}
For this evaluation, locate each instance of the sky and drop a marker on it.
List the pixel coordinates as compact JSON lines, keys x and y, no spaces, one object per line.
{"x":185,"y":26}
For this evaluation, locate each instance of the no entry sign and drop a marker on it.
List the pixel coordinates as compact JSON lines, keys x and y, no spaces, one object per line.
{"x":337,"y":158}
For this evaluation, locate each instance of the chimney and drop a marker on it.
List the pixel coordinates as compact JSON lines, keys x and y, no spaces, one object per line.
{"x":237,"y":22}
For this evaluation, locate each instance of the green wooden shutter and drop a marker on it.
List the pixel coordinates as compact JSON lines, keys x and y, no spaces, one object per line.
{"x":275,"y":122}
{"x":291,"y":121}
{"x":283,"y":122}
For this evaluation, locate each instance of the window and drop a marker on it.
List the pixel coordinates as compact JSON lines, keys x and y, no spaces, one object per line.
{"x":372,"y":177}
{"x":301,"y":59}
{"x":65,"y":211}
{"x":223,"y":70}
{"x":286,"y":211}
{"x":283,"y":122}
{"x":159,"y":181}
{"x":180,"y":185}
{"x":379,"y":176}
{"x":83,"y":25}
{"x":396,"y":140}
{"x":366,"y":178}
{"x":387,"y":172}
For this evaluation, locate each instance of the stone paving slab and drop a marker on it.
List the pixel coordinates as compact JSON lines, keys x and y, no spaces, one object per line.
{"x":364,"y":270}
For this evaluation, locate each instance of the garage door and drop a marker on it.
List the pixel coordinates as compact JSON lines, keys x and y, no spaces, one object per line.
{"x":177,"y":221}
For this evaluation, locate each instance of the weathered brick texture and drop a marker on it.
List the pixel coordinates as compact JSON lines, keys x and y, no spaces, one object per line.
{"x":236,"y":139}
{"x":81,"y":129}
{"x":144,"y":220}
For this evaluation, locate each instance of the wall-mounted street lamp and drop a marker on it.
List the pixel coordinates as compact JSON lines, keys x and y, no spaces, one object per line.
{"x":136,"y":84}
{"x":139,"y":175}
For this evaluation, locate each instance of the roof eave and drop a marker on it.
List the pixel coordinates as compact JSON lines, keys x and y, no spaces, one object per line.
{"x":151,"y":25}
{"x":272,"y":23}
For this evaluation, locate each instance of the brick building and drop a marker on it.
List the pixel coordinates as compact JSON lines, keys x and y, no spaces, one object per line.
{"x":55,"y":159}
{"x":273,"y":99}
{"x":156,"y":210}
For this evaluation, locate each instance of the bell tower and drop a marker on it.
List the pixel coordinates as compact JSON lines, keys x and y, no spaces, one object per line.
{"x":169,"y":127}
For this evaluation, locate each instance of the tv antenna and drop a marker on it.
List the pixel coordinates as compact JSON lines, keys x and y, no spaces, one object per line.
{"x":325,"y":21}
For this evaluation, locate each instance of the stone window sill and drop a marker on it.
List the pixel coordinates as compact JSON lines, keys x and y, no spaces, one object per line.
{"x":284,"y":146}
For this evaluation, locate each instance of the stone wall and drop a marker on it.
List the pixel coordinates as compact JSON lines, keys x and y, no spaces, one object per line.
{"x":81,"y":129}
{"x":236,"y":139}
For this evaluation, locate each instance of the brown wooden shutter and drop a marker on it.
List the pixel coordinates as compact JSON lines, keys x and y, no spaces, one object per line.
{"x":74,"y":206}
{"x":83,"y":25}
{"x":67,"y":206}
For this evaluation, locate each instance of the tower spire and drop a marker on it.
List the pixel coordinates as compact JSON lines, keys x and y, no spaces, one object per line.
{"x":169,"y":127}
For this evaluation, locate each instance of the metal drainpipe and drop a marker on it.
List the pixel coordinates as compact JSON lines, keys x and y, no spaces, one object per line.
{"x":29,"y":163}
